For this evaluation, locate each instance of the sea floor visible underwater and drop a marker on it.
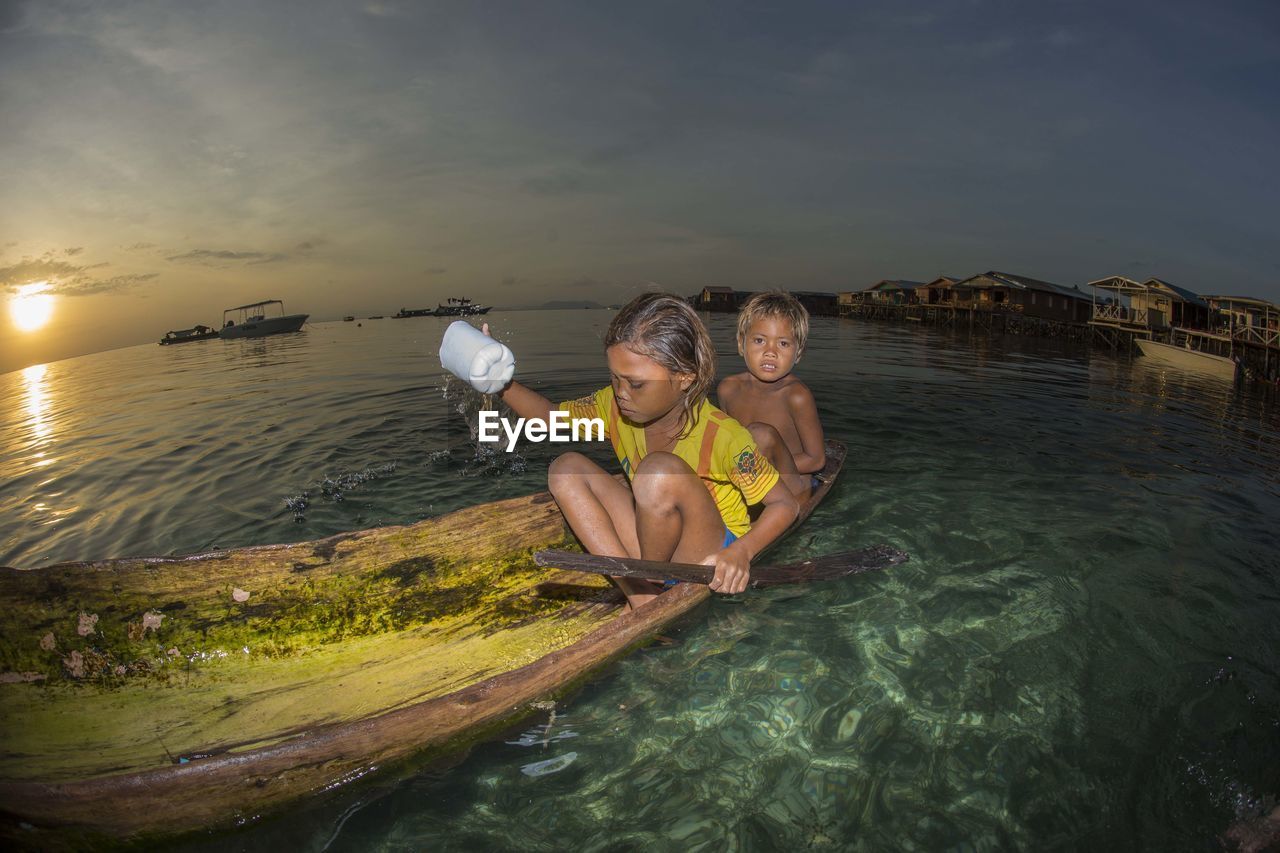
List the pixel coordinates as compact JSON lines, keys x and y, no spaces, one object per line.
{"x":1082,"y":653}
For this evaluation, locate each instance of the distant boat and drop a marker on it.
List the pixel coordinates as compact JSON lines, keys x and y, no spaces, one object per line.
{"x":182,"y":336}
{"x":376,"y":317}
{"x":1188,"y":359}
{"x":414,"y":312}
{"x":462,"y":307}
{"x":251,"y":321}
{"x":347,"y":319}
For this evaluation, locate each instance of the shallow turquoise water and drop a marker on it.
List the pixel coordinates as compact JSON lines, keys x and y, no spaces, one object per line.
{"x":1083,"y":651}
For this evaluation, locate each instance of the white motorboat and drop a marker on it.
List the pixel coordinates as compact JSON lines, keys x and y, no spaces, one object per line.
{"x":1188,"y":359}
{"x":259,"y":319}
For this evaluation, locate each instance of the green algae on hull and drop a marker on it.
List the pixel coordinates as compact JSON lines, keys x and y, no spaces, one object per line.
{"x":128,"y":664}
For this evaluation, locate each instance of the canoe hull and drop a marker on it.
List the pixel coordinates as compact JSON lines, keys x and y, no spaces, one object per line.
{"x":236,"y":784}
{"x":220,"y":789}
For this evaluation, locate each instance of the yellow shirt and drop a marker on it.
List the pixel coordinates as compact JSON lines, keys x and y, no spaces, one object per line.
{"x":718,"y":448}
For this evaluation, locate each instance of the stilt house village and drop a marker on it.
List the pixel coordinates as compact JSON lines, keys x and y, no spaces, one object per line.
{"x":1229,"y":335}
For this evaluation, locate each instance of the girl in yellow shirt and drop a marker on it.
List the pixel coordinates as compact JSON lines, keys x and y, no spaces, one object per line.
{"x":692,"y":469}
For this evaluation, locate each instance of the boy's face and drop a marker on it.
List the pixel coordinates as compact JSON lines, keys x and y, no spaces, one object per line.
{"x":769,"y":348}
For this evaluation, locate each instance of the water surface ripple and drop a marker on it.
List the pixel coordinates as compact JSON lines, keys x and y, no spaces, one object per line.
{"x":1082,"y":653}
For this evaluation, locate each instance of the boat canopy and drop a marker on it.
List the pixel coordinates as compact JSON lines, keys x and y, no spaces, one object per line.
{"x":257,"y":305}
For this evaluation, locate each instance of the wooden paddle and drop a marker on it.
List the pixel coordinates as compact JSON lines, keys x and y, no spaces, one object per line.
{"x":826,"y":568}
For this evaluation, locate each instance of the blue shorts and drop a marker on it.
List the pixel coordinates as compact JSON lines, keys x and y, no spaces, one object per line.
{"x":729,"y":537}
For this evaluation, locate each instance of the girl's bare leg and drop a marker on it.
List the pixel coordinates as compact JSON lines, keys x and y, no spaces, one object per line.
{"x":676,"y":518}
{"x":602,"y":513}
{"x":775,"y":450}
{"x":599,"y":508}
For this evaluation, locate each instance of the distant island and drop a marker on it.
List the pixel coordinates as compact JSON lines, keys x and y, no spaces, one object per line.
{"x":555,"y":305}
{"x":570,"y":303}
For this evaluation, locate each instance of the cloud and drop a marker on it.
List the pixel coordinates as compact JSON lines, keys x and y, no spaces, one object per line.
{"x":139,"y":247}
{"x":213,"y":257}
{"x":437,"y":270}
{"x":90,"y":287}
{"x":29,"y":271}
{"x":66,"y":279}
{"x":308,"y":246}
{"x":75,"y":250}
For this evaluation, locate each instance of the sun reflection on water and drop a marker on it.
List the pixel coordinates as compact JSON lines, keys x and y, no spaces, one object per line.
{"x":37,"y":405}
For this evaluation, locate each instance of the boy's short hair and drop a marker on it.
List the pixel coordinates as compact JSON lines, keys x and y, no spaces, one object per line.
{"x":774,"y":303}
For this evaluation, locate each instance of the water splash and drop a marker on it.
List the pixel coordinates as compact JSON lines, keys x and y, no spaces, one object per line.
{"x":333,"y":488}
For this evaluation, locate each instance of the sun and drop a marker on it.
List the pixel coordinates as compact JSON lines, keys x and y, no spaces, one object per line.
{"x":31,"y":307}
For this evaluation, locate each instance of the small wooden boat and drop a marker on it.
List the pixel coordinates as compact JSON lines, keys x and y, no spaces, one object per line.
{"x":182,"y":336}
{"x":1186,"y":358}
{"x":143,"y":697}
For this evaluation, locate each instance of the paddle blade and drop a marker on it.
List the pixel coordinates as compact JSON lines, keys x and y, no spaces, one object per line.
{"x":829,"y":567}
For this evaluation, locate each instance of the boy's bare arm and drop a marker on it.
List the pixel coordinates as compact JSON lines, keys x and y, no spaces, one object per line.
{"x":804,"y":413}
{"x":725,"y":394}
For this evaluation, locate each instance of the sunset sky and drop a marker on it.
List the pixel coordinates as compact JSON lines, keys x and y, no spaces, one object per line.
{"x":164,"y":161}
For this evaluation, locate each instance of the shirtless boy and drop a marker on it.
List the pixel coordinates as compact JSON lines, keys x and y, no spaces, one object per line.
{"x":777,"y":408}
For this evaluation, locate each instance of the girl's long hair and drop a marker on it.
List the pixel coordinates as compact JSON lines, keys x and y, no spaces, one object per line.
{"x":665,"y":328}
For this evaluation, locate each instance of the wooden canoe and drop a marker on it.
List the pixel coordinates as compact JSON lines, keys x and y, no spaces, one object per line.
{"x":151,"y":696}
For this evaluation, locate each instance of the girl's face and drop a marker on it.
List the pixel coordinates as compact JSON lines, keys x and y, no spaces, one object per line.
{"x":769,"y":348}
{"x":644,"y":389}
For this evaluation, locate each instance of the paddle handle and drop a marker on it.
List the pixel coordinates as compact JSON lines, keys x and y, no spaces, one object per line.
{"x":627,"y":567}
{"x":828,"y":567}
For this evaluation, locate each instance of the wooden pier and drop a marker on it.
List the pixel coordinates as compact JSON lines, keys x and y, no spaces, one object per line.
{"x":995,"y":320}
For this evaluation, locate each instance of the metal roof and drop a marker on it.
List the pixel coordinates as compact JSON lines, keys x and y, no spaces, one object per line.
{"x":1022,"y":282}
{"x":896,"y":284}
{"x":1251,"y":301}
{"x":1182,"y":292}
